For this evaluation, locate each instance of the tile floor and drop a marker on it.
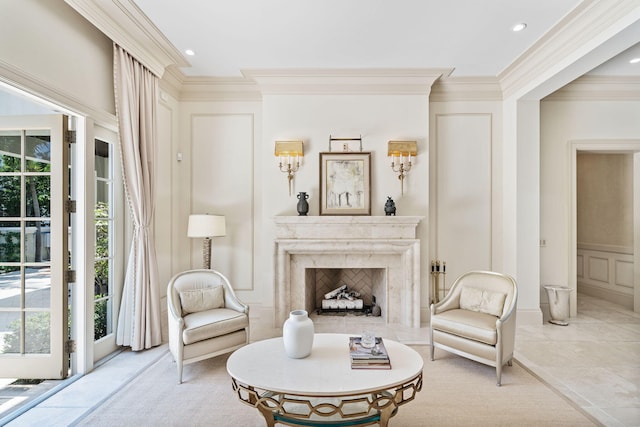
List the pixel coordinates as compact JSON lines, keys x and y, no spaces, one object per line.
{"x":594,"y":362}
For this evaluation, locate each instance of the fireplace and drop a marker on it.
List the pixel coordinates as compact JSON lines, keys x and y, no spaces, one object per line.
{"x":386,"y":244}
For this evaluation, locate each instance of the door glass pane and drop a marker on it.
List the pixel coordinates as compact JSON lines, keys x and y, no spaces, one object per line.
{"x":10,"y":328}
{"x":9,"y":243}
{"x":102,"y":198}
{"x":10,"y":151}
{"x":9,"y":196}
{"x":102,"y":318}
{"x":38,"y":151}
{"x":102,"y":165}
{"x":10,"y":290}
{"x":38,"y":336}
{"x":37,"y":287}
{"x":102,"y":238}
{"x":37,"y":245}
{"x":37,"y":197}
{"x":101,"y":287}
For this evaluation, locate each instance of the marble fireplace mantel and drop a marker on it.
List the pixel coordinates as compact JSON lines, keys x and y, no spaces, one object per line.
{"x":388,"y":242}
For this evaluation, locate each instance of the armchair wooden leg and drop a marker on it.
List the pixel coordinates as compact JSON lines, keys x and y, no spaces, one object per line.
{"x":431,"y":351}
{"x":179,"y":364}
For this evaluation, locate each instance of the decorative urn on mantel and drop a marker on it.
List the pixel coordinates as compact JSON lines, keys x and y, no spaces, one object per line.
{"x":303,"y":205}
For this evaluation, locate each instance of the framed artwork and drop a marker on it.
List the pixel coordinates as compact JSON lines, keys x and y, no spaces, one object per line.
{"x":345,"y":183}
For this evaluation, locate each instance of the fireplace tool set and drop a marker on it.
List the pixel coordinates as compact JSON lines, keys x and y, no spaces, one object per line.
{"x":437,"y":268}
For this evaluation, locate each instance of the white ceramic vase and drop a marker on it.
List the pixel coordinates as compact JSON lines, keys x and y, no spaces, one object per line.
{"x":297,"y":334}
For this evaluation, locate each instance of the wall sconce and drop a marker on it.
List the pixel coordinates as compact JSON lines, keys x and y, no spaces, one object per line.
{"x":289,"y":154}
{"x":401,"y":153}
{"x":206,"y":226}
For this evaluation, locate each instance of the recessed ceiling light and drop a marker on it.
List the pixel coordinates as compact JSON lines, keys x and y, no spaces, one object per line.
{"x":189,"y":52}
{"x":634,"y":61}
{"x":519,"y":27}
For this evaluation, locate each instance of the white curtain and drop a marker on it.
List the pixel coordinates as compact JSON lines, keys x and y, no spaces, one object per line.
{"x":136,"y":90}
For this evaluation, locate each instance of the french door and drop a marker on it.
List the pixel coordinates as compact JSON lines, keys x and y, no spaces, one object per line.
{"x":34,"y":255}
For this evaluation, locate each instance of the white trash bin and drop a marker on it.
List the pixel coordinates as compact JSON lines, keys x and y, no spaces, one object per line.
{"x":558,"y":304}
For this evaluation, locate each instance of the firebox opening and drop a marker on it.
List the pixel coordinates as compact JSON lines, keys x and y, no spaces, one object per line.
{"x":341,"y":291}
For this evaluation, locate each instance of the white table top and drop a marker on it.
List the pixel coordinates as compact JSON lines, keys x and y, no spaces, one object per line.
{"x":325,"y":372}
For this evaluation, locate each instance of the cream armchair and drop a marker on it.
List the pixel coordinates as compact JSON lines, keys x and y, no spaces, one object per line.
{"x":206,"y":318}
{"x":477,"y":319}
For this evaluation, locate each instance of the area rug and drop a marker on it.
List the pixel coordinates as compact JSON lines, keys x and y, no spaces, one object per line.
{"x":456,"y":392}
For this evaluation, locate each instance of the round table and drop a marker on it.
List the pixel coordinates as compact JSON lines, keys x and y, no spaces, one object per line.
{"x":322,"y":389}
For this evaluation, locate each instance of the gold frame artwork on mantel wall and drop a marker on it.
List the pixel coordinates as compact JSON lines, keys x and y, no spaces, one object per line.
{"x":345,"y":183}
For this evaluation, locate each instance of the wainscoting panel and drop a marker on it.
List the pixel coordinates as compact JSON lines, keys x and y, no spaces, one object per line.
{"x":624,"y":274}
{"x":606,"y":272}
{"x":598,"y":269}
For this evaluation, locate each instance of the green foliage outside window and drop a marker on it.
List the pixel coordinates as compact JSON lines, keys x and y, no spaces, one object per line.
{"x":100,"y":319}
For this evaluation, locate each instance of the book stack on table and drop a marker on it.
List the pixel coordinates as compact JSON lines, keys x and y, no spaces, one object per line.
{"x":376,"y":357}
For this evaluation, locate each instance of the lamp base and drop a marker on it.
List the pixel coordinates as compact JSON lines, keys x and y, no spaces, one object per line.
{"x":206,"y":253}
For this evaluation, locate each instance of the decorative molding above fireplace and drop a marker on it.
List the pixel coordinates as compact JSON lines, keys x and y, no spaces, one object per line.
{"x":387,"y":242}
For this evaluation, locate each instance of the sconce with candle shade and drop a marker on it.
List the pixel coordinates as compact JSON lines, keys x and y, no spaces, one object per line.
{"x":289,"y":154}
{"x":402,"y":154}
{"x":206,"y":226}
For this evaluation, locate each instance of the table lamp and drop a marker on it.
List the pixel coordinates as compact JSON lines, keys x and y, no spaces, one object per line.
{"x":206,"y":226}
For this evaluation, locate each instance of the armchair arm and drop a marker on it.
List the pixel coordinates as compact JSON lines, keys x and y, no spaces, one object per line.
{"x":506,"y":326}
{"x":232,"y":302}
{"x":451,"y":301}
{"x":175,"y":310}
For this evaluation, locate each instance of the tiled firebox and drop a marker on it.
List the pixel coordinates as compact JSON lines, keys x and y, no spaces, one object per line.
{"x":349,"y":242}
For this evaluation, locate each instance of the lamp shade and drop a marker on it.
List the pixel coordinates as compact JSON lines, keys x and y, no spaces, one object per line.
{"x":206,"y":226}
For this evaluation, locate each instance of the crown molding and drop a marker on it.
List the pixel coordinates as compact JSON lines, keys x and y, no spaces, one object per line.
{"x":124,"y":23}
{"x":325,"y":81}
{"x":466,"y":89}
{"x":599,"y":88}
{"x":586,"y":27}
{"x":171,"y":81}
{"x":219,"y":89}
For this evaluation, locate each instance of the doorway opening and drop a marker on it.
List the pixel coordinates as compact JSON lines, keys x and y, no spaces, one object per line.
{"x":605,"y":222}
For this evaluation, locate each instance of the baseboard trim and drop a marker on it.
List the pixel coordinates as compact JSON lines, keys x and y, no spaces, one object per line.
{"x":610,"y":295}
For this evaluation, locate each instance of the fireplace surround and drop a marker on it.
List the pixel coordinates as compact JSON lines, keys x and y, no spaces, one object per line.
{"x":378,"y":242}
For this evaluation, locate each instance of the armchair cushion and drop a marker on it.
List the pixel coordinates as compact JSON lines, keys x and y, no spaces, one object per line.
{"x":195,"y":300}
{"x":203,"y":325}
{"x":468,"y":324}
{"x":482,"y":301}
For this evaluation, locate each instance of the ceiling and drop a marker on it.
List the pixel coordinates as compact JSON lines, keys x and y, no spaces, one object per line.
{"x":474,"y":38}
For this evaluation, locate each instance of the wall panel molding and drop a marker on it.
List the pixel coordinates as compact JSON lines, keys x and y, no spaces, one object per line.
{"x":609,"y":272}
{"x":225,"y":140}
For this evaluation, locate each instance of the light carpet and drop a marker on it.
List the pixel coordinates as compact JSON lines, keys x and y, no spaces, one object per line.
{"x":456,"y":392}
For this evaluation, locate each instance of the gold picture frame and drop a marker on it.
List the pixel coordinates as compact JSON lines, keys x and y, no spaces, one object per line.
{"x":345,"y":183}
